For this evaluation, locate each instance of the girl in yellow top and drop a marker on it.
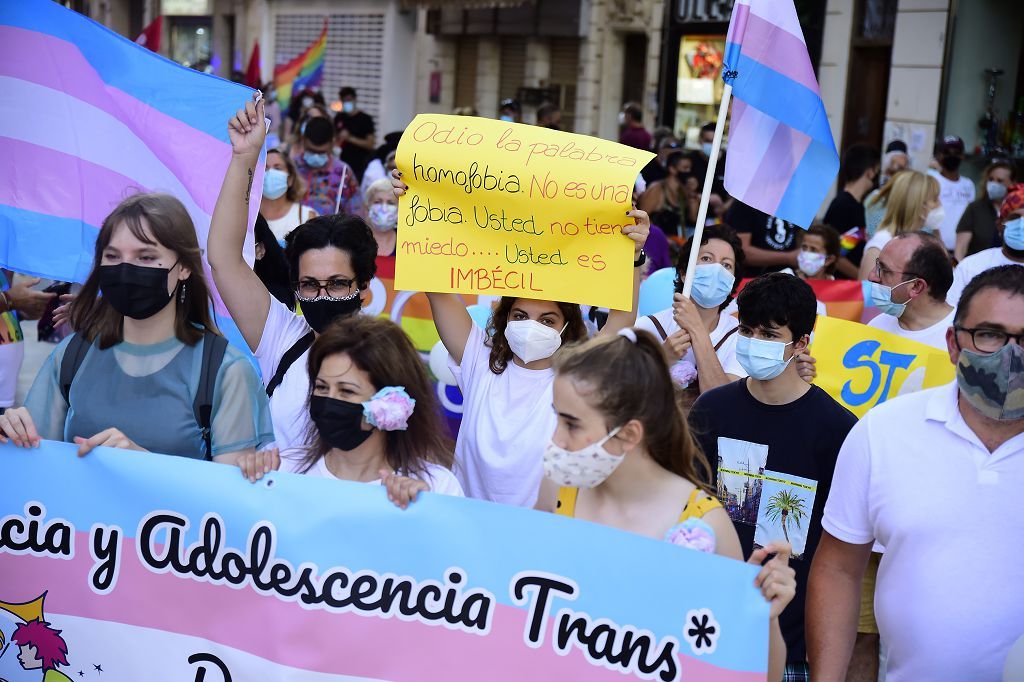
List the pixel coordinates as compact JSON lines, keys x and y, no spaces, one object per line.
{"x":622,"y":456}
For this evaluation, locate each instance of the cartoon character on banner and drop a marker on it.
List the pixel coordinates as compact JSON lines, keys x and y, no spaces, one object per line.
{"x":30,"y":648}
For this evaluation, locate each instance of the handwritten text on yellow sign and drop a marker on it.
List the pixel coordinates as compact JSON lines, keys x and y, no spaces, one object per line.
{"x":508,"y":209}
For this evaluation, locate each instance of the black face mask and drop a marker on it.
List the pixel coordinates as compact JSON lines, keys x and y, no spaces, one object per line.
{"x":339,"y":423}
{"x":135,"y":291}
{"x":321,"y":312}
{"x":950,"y":163}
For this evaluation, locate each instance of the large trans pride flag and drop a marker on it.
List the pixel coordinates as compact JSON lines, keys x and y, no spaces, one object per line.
{"x":87,"y":118}
{"x":782,"y":158}
{"x":162,"y":568}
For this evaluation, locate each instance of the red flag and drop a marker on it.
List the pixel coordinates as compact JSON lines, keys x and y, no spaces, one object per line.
{"x":253,"y":75}
{"x":150,"y":36}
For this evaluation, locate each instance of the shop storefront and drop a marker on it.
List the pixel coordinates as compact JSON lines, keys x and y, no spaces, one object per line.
{"x":692,"y":55}
{"x":982,"y":97}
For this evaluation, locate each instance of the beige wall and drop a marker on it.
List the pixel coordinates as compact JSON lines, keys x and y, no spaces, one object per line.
{"x":916,"y":76}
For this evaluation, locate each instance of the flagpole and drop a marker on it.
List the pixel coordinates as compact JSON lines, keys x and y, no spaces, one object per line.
{"x":705,"y":197}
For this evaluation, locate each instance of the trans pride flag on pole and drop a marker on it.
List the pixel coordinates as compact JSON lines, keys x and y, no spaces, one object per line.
{"x":88,"y":118}
{"x":306,"y":70}
{"x":782,"y":158}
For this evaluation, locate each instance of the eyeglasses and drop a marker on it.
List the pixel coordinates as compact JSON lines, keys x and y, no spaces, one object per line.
{"x":309,"y":289}
{"x":881,"y":271}
{"x":989,"y":340}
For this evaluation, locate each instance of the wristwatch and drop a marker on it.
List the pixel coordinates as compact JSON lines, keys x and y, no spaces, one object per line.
{"x":641,"y":259}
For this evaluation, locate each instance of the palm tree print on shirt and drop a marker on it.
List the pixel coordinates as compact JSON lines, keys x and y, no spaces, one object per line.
{"x":786,"y":507}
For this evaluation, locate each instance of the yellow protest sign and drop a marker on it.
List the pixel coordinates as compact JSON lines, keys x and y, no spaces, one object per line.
{"x":861,"y":366}
{"x":506,"y":209}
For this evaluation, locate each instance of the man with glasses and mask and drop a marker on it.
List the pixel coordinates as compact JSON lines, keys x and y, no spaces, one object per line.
{"x":1010,"y":225}
{"x":908,"y":285}
{"x":934,"y":476}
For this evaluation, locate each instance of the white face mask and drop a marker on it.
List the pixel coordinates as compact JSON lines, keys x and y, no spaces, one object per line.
{"x":933,"y":221}
{"x":996,"y":190}
{"x":585,"y":468}
{"x":622,"y":118}
{"x":530,"y":340}
{"x":810,"y":263}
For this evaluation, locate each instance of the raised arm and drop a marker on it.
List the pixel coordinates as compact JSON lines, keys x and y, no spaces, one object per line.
{"x":620,"y":319}
{"x":448,"y":310}
{"x":243,"y":292}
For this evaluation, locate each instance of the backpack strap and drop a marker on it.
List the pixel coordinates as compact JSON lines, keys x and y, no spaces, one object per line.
{"x":657,"y":325}
{"x":725,"y":336}
{"x":288,"y":359}
{"x":214,"y":346}
{"x":74,"y":355}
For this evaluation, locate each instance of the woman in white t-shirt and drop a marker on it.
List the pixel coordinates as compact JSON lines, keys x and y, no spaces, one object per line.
{"x":283,"y":189}
{"x":374,"y":416}
{"x":505,"y":376}
{"x":697,"y":336}
{"x":331,"y":259}
{"x":912,"y":204}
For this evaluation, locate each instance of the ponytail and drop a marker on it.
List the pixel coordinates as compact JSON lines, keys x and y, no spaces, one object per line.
{"x":628,"y":375}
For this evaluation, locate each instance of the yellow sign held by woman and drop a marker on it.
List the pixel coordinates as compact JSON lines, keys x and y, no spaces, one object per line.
{"x":861,"y":366}
{"x":506,"y":209}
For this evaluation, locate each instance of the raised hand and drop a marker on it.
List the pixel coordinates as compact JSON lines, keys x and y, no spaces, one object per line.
{"x":246,"y":128}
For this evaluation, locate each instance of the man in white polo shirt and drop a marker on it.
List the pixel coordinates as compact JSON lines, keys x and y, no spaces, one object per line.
{"x":1010,"y":225}
{"x":936,"y":478}
{"x":909,"y":284}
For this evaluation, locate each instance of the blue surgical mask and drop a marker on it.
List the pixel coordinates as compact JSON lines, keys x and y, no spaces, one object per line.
{"x":880,"y":296}
{"x":707,"y":148}
{"x":762,"y":360}
{"x":275,"y":183}
{"x":1013,"y":234}
{"x":315,"y":160}
{"x":506,"y":118}
{"x":712,"y":284}
{"x":348,"y":107}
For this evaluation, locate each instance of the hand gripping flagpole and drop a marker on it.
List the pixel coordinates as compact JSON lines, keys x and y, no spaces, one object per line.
{"x":709,"y":178}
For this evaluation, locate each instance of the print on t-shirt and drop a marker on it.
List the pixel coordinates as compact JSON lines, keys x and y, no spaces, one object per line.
{"x":740,"y":469}
{"x":786,"y":510}
{"x":778,"y":505}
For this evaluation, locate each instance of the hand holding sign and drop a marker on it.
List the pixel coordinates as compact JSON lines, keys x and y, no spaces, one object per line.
{"x":507,"y":209}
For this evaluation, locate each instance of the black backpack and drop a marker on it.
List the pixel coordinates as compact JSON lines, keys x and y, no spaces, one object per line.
{"x":288,"y":359}
{"x":214,"y":346}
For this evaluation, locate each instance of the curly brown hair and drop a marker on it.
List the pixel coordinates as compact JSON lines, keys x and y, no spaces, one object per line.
{"x":380,"y":348}
{"x":501,"y":353}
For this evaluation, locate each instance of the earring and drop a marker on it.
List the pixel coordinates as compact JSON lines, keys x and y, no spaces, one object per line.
{"x":181,"y":296}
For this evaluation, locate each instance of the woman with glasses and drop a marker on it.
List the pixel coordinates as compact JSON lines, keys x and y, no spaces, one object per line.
{"x":331,"y":260}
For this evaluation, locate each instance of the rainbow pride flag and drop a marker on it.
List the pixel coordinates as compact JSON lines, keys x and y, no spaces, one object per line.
{"x":305,"y":71}
{"x":88,"y":118}
{"x":842,"y":298}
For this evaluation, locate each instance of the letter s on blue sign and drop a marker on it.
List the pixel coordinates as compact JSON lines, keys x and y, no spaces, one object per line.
{"x":860,"y":356}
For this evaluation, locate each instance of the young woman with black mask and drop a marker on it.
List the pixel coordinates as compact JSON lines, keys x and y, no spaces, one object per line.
{"x":331,"y":260}
{"x":145,"y":345}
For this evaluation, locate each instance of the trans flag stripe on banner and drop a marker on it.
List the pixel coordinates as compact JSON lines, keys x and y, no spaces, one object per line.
{"x":88,"y":118}
{"x":154,"y":567}
{"x":782,"y":158}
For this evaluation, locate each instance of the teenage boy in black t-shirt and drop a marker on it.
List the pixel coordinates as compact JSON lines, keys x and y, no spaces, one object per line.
{"x":772,"y":439}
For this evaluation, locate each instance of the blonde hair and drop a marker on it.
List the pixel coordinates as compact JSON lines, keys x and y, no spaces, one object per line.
{"x":909,"y":193}
{"x":377,"y":187}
